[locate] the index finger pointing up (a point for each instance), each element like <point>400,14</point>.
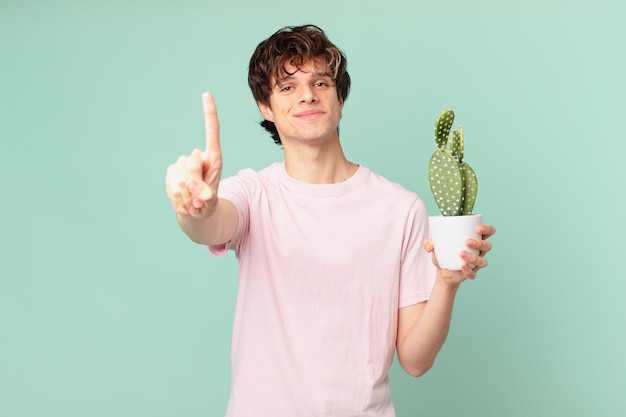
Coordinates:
<point>211,124</point>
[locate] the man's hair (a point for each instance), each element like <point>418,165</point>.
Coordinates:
<point>297,46</point>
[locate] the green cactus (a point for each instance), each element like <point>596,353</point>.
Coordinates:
<point>452,181</point>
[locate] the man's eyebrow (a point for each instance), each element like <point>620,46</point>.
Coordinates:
<point>283,80</point>
<point>322,74</point>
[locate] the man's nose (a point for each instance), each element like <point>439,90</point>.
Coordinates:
<point>308,94</point>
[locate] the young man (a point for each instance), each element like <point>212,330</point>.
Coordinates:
<point>333,277</point>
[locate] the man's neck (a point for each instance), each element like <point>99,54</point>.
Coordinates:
<point>318,164</point>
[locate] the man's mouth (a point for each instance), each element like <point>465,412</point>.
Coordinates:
<point>309,114</point>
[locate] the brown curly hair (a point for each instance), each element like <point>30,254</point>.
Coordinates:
<point>297,46</point>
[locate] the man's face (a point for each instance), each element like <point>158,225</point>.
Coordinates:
<point>304,106</point>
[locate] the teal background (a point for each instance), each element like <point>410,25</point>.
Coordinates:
<point>107,309</point>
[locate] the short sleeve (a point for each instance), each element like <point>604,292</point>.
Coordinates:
<point>237,190</point>
<point>417,272</point>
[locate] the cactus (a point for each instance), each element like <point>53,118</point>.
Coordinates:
<point>452,181</point>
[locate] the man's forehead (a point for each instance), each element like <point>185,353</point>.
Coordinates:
<point>317,66</point>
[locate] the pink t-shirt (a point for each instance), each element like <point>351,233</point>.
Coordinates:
<point>323,272</point>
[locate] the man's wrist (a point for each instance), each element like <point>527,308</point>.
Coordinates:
<point>447,280</point>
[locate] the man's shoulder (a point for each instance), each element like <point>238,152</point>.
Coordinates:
<point>250,180</point>
<point>378,180</point>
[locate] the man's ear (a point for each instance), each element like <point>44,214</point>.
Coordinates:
<point>266,111</point>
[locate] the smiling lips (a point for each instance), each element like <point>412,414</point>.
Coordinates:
<point>309,114</point>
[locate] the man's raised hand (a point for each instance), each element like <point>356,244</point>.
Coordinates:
<point>193,180</point>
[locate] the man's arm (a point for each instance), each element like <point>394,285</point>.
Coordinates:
<point>217,229</point>
<point>192,184</point>
<point>423,328</point>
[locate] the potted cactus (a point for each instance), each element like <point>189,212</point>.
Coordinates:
<point>454,187</point>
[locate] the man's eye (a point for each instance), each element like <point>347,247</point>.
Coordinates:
<point>321,84</point>
<point>286,88</point>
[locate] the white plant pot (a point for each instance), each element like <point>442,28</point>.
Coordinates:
<point>449,234</point>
